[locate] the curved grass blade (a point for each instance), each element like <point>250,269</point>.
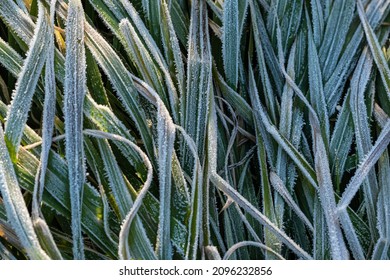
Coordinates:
<point>241,244</point>
<point>140,247</point>
<point>26,84</point>
<point>365,166</point>
<point>41,227</point>
<point>124,250</point>
<point>16,208</point>
<point>74,90</point>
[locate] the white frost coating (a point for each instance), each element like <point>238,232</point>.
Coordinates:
<point>15,206</point>
<point>230,41</point>
<point>74,91</point>
<point>365,166</point>
<point>26,84</point>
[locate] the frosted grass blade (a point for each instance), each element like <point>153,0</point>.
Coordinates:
<point>365,166</point>
<point>74,90</point>
<point>140,246</point>
<point>317,98</point>
<point>195,105</point>
<point>341,141</point>
<point>335,35</point>
<point>20,21</point>
<point>231,41</point>
<point>375,48</point>
<point>40,224</point>
<point>16,208</point>
<point>124,249</point>
<point>278,184</point>
<point>26,84</point>
<point>172,48</point>
<point>317,11</point>
<point>360,118</point>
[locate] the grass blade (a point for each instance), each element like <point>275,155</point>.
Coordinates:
<point>375,48</point>
<point>365,166</point>
<point>27,81</point>
<point>74,90</point>
<point>231,41</point>
<point>17,211</point>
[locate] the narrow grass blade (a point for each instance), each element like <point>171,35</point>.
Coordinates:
<point>124,247</point>
<point>140,247</point>
<point>375,48</point>
<point>365,166</point>
<point>172,48</point>
<point>74,90</point>
<point>40,225</point>
<point>195,107</point>
<point>278,184</point>
<point>194,222</point>
<point>317,98</point>
<point>17,211</point>
<point>20,21</point>
<point>26,84</point>
<point>328,202</point>
<point>317,11</point>
<point>262,41</point>
<point>231,41</point>
<point>341,141</point>
<point>335,35</point>
<point>360,118</point>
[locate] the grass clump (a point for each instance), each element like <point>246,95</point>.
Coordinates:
<point>209,129</point>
